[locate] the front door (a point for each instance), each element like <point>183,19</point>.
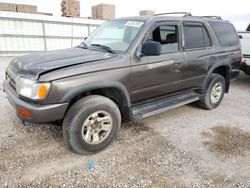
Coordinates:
<point>155,76</point>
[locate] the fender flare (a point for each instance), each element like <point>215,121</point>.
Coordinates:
<point>98,85</point>
<point>212,69</point>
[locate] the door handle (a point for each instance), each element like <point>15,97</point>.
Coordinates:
<point>178,63</point>
<point>212,58</point>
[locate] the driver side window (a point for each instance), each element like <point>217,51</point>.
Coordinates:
<point>167,35</point>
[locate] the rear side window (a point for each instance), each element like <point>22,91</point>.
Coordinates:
<point>225,33</point>
<point>196,35</point>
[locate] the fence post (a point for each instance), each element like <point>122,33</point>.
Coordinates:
<point>72,25</point>
<point>44,37</point>
<point>88,30</point>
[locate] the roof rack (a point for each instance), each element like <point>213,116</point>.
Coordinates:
<point>185,13</point>
<point>215,17</point>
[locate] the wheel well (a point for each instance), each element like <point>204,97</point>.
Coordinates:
<point>114,94</point>
<point>224,71</point>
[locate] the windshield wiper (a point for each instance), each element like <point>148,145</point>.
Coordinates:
<point>104,47</point>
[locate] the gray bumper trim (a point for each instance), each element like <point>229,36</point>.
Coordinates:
<point>40,113</point>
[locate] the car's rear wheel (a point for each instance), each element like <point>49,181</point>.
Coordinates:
<point>91,124</point>
<point>214,93</point>
<point>247,70</point>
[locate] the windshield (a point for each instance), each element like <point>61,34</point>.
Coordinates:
<point>116,35</point>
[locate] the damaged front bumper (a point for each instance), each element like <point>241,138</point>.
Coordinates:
<point>35,113</point>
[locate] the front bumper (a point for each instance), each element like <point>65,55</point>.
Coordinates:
<point>39,113</point>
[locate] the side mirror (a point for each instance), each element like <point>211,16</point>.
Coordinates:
<point>240,37</point>
<point>151,48</point>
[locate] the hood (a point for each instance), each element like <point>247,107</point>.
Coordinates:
<point>35,64</point>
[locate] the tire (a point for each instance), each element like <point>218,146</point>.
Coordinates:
<point>247,70</point>
<point>210,100</point>
<point>85,118</point>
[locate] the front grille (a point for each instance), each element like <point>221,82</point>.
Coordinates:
<point>11,81</point>
<point>246,55</point>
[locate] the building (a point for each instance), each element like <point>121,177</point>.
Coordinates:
<point>18,8</point>
<point>146,13</point>
<point>103,12</point>
<point>70,8</point>
<point>10,7</point>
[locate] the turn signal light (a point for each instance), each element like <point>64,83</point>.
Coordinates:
<point>42,92</point>
<point>24,112</point>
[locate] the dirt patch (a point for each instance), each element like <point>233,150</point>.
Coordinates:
<point>213,178</point>
<point>225,139</point>
<point>140,127</point>
<point>152,162</point>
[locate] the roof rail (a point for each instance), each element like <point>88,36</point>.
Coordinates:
<point>215,17</point>
<point>185,13</point>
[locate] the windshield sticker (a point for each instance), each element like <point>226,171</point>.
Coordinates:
<point>133,24</point>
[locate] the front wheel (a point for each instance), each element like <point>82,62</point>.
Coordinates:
<point>214,93</point>
<point>91,124</point>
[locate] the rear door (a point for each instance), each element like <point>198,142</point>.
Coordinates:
<point>198,53</point>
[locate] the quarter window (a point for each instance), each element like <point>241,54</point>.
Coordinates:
<point>225,34</point>
<point>196,36</point>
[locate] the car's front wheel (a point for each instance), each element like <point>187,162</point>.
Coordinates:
<point>214,93</point>
<point>91,124</point>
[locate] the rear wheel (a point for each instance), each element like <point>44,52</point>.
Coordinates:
<point>91,124</point>
<point>247,70</point>
<point>214,93</point>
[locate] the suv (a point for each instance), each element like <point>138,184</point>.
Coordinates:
<point>127,69</point>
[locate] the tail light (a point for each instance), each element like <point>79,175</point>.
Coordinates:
<point>241,59</point>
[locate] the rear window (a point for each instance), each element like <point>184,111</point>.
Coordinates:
<point>225,33</point>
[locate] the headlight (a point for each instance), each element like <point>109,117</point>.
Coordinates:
<point>31,89</point>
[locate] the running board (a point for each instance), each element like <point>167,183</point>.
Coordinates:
<point>162,105</point>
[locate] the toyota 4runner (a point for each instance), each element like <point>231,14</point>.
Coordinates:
<point>127,69</point>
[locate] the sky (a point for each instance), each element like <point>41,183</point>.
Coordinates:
<point>237,12</point>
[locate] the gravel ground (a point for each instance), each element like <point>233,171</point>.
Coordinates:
<point>184,147</point>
